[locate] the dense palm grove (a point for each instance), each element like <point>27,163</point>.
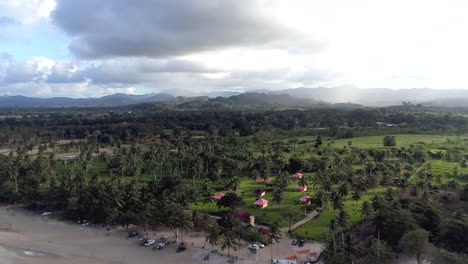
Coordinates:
<point>148,168</point>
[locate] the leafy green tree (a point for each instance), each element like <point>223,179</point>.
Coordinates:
<point>379,252</point>
<point>231,201</point>
<point>318,141</point>
<point>416,243</point>
<point>278,194</point>
<point>394,224</point>
<point>454,235</point>
<point>367,210</point>
<point>338,258</point>
<point>389,141</point>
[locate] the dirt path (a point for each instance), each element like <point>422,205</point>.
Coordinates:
<point>309,217</point>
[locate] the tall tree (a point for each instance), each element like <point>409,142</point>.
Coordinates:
<point>416,243</point>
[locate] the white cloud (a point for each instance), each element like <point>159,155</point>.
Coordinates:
<point>26,11</point>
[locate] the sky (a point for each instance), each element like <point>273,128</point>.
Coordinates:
<point>92,48</point>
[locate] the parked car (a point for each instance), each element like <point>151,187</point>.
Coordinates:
<point>181,248</point>
<point>132,234</point>
<point>294,242</point>
<point>149,242</point>
<point>301,242</point>
<point>161,245</point>
<point>260,245</point>
<point>254,246</point>
<point>142,241</point>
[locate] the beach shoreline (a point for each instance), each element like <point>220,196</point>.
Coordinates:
<point>27,237</point>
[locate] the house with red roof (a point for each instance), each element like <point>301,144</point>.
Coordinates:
<point>265,181</point>
<point>261,203</point>
<point>263,231</point>
<point>301,188</point>
<point>297,175</point>
<point>244,216</point>
<point>259,193</point>
<point>305,199</point>
<point>218,196</point>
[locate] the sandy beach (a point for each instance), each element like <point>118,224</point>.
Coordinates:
<point>28,238</point>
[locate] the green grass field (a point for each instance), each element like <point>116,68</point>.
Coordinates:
<point>317,229</point>
<point>445,168</point>
<point>402,140</point>
<point>269,215</point>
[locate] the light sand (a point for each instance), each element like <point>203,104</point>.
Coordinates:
<point>27,238</point>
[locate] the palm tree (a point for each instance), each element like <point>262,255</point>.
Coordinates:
<point>213,236</point>
<point>182,221</point>
<point>321,199</point>
<point>337,201</point>
<point>229,241</point>
<point>274,234</point>
<point>303,181</point>
<point>332,227</point>
<point>234,183</point>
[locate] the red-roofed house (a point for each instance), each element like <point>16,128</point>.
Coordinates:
<point>245,216</point>
<point>313,256</point>
<point>305,199</point>
<point>301,188</point>
<point>219,196</point>
<point>261,203</point>
<point>259,193</point>
<point>263,231</point>
<point>301,252</point>
<point>297,175</point>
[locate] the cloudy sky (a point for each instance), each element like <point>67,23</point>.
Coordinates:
<point>91,48</point>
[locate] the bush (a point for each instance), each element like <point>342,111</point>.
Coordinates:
<point>252,235</point>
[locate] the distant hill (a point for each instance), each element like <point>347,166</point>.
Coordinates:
<point>342,96</point>
<point>449,102</point>
<point>375,96</point>
<point>266,99</point>
<point>109,100</point>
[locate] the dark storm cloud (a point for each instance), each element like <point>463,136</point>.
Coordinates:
<point>161,28</point>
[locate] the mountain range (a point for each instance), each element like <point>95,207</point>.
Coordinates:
<point>286,97</point>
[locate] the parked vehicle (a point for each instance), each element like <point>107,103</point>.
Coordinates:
<point>132,234</point>
<point>181,247</point>
<point>260,245</point>
<point>294,242</point>
<point>254,246</point>
<point>149,242</point>
<point>161,245</point>
<point>301,243</point>
<point>142,241</point>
